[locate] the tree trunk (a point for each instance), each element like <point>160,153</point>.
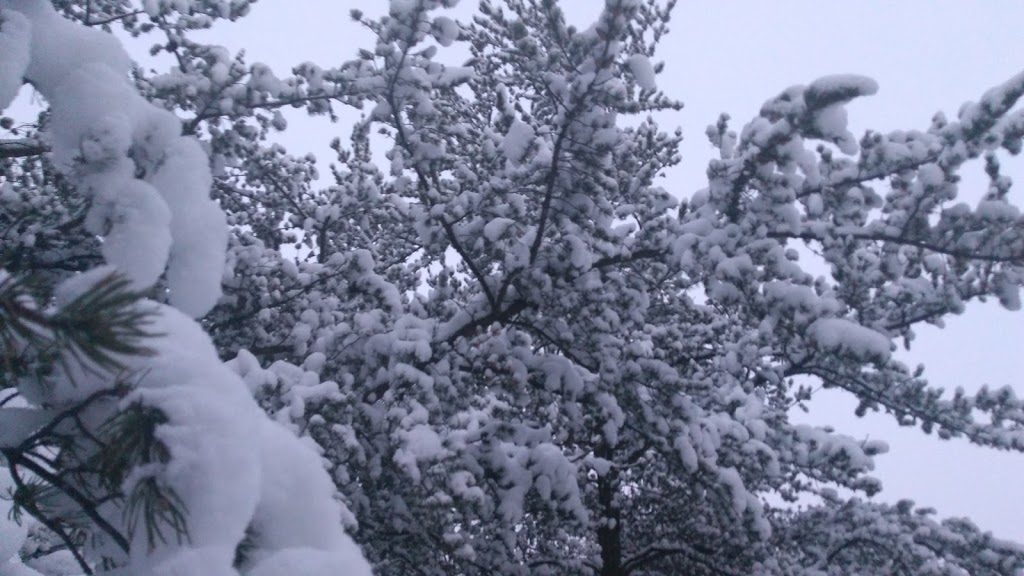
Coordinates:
<point>609,532</point>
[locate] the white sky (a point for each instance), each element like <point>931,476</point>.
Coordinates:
<point>730,56</point>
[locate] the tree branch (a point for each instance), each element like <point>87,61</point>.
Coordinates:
<point>495,316</point>
<point>917,243</point>
<point>90,22</point>
<point>22,147</point>
<point>658,551</point>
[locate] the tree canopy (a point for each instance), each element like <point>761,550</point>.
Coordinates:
<point>515,349</point>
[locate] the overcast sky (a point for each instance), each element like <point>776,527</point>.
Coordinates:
<point>730,56</point>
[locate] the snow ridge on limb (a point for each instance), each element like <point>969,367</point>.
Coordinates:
<point>130,440</point>
<point>148,185</point>
<point>15,34</point>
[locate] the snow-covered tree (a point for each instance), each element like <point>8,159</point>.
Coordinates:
<point>517,352</point>
<point>126,441</point>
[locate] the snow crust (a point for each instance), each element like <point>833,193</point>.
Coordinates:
<point>15,37</point>
<point>517,142</point>
<point>446,30</point>
<point>234,470</point>
<point>642,70</point>
<point>103,134</point>
<point>198,227</point>
<point>843,336</point>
